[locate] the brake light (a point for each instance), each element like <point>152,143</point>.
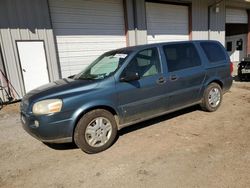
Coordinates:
<point>231,68</point>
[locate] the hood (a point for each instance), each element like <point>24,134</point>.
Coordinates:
<point>59,88</point>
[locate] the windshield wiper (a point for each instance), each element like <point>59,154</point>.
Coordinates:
<point>85,78</point>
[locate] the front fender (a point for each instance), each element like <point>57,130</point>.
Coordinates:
<point>93,105</point>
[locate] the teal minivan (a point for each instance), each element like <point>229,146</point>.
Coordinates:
<point>126,86</point>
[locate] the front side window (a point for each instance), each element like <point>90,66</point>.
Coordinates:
<point>104,66</point>
<point>145,63</point>
<point>181,56</point>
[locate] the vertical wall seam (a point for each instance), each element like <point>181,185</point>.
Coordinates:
<point>126,21</point>
<point>190,21</point>
<point>4,55</point>
<point>17,63</point>
<point>59,69</point>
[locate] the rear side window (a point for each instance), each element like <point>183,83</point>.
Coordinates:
<point>181,56</point>
<point>213,52</point>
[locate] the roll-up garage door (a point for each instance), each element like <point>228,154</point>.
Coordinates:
<point>236,16</point>
<point>85,29</point>
<point>166,22</point>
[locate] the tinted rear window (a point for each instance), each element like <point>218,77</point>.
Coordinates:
<point>213,52</point>
<point>181,56</point>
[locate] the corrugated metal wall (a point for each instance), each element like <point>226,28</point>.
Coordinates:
<point>1,61</point>
<point>199,19</point>
<point>2,69</point>
<point>140,22</point>
<point>129,21</point>
<point>25,20</point>
<point>217,22</point>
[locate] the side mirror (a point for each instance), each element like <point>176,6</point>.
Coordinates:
<point>129,76</point>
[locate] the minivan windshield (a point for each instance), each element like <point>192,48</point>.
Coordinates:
<point>104,66</point>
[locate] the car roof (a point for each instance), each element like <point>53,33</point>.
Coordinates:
<point>141,47</point>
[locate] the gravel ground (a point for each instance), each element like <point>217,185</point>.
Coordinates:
<point>189,148</point>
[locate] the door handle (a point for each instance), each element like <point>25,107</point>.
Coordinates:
<point>173,77</point>
<point>161,80</point>
<point>24,70</point>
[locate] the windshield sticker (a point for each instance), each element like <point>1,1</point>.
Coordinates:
<point>123,56</point>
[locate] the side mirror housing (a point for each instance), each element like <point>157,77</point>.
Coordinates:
<point>130,76</point>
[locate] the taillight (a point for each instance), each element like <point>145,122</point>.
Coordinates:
<point>231,68</point>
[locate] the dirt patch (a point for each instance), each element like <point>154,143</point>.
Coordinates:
<point>9,110</point>
<point>188,148</point>
<point>243,86</point>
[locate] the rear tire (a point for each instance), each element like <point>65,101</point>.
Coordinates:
<point>242,77</point>
<point>212,98</point>
<point>95,131</point>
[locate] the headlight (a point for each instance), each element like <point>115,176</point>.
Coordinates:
<point>47,106</point>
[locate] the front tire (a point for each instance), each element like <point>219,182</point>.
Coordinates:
<point>95,131</point>
<point>212,98</point>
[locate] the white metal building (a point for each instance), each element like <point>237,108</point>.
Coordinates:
<point>44,40</point>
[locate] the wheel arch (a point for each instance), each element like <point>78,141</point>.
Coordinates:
<point>91,108</point>
<point>217,81</point>
<point>204,103</point>
<point>208,82</point>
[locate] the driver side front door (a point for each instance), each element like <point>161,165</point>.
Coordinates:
<point>144,97</point>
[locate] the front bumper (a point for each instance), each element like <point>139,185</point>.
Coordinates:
<point>47,127</point>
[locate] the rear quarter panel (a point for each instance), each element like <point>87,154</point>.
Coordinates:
<point>216,72</point>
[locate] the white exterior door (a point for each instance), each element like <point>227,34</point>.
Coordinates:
<point>166,22</point>
<point>33,64</point>
<point>236,47</point>
<point>85,29</point>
